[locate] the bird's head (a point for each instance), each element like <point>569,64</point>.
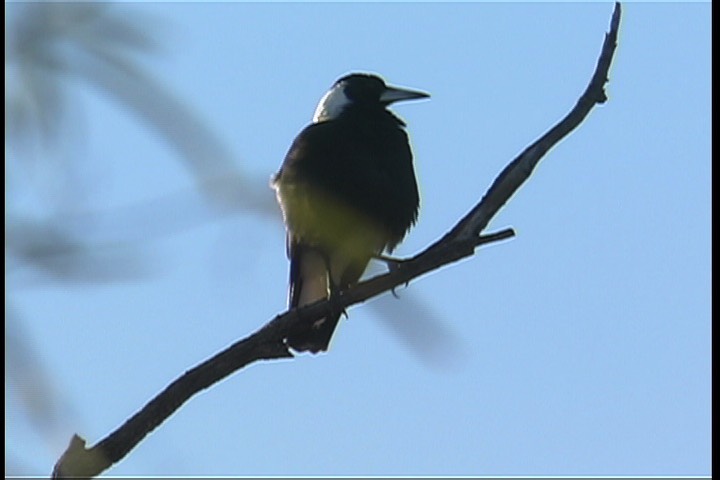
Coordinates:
<point>360,89</point>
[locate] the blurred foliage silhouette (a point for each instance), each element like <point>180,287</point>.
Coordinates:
<point>49,47</point>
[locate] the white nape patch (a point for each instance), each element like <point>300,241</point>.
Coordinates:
<point>331,104</point>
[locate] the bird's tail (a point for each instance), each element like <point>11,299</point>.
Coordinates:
<point>308,284</point>
<point>310,281</point>
<point>317,338</point>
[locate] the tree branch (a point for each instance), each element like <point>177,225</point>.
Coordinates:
<point>267,343</point>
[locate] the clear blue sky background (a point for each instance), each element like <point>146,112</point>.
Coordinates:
<point>582,346</point>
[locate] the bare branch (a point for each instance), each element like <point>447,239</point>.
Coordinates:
<point>268,342</point>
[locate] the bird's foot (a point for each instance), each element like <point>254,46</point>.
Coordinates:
<point>393,264</point>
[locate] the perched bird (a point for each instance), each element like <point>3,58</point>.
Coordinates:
<point>347,191</point>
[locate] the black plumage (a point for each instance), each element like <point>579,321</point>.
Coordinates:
<point>347,190</point>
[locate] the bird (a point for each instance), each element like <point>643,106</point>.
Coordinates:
<point>347,191</point>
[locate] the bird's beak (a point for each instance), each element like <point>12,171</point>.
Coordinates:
<point>395,94</point>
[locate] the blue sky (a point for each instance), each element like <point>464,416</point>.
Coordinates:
<point>581,346</point>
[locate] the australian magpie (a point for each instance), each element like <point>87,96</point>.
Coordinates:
<point>347,191</point>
